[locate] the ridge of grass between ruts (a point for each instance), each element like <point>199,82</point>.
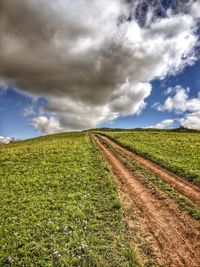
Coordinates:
<point>183,202</point>
<point>176,151</point>
<point>59,205</point>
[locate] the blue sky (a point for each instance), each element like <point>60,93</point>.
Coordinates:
<point>13,104</point>
<point>13,122</point>
<point>133,65</point>
<point>189,77</point>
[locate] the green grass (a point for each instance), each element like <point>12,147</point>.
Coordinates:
<point>151,179</point>
<point>59,205</point>
<point>176,151</point>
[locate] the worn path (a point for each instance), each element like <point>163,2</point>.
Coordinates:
<point>187,189</point>
<point>175,235</point>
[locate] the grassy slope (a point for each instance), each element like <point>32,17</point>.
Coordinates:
<point>176,151</point>
<point>59,205</point>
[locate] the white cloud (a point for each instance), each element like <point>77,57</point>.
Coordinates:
<point>28,111</point>
<point>4,140</point>
<point>195,9</point>
<point>78,116</point>
<point>89,70</point>
<point>179,102</point>
<point>47,125</point>
<point>191,120</point>
<point>3,85</point>
<point>165,124</point>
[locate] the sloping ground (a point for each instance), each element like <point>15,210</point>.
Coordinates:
<point>59,206</point>
<point>175,236</point>
<point>187,189</point>
<point>176,151</point>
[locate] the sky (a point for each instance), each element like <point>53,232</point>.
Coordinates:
<point>74,65</point>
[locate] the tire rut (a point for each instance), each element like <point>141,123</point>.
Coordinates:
<point>175,235</point>
<point>185,188</point>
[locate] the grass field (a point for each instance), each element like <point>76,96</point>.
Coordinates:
<point>176,151</point>
<point>59,205</point>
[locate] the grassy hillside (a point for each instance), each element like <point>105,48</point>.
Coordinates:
<point>178,151</point>
<point>59,206</point>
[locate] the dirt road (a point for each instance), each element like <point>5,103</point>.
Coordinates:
<point>175,235</point>
<point>187,189</point>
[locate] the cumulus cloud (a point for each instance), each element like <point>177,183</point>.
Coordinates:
<point>47,125</point>
<point>90,70</point>
<point>179,102</point>
<point>4,140</point>
<point>195,9</point>
<point>79,115</point>
<point>3,86</point>
<point>191,120</point>
<point>165,124</point>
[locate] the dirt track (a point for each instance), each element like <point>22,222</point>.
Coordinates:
<point>187,189</point>
<point>175,235</point>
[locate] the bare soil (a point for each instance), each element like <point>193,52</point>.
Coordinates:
<point>189,190</point>
<point>174,235</point>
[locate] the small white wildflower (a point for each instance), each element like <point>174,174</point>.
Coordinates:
<point>83,245</point>
<point>56,254</point>
<point>9,260</point>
